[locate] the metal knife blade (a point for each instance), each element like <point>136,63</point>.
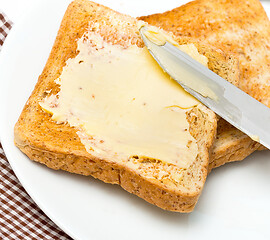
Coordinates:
<point>229,102</point>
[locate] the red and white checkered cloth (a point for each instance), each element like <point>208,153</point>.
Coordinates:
<point>20,217</point>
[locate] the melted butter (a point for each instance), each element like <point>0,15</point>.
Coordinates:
<point>123,104</point>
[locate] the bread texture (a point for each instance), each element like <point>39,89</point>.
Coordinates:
<point>240,28</point>
<point>59,147</point>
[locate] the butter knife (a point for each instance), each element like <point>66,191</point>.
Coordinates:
<point>225,99</point>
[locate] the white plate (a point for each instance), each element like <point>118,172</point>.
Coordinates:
<point>234,203</point>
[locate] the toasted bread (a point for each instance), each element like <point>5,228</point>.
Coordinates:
<point>238,27</point>
<point>59,147</point>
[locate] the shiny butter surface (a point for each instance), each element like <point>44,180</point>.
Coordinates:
<point>123,104</point>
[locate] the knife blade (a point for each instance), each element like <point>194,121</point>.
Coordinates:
<point>225,99</point>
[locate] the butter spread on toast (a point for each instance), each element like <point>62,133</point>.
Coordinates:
<point>123,104</point>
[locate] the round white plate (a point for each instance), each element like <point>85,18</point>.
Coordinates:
<point>235,200</point>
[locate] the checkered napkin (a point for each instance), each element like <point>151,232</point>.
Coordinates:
<point>5,26</point>
<point>20,217</point>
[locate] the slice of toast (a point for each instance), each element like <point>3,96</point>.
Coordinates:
<point>238,27</point>
<point>59,147</point>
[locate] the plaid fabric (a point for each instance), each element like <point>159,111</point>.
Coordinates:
<point>5,26</point>
<point>20,217</point>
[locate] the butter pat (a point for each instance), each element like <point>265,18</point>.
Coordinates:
<point>159,37</point>
<point>255,138</point>
<point>156,35</point>
<point>123,104</point>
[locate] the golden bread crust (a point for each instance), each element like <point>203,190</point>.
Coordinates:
<point>230,145</point>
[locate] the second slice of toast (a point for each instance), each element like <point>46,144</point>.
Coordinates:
<point>240,28</point>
